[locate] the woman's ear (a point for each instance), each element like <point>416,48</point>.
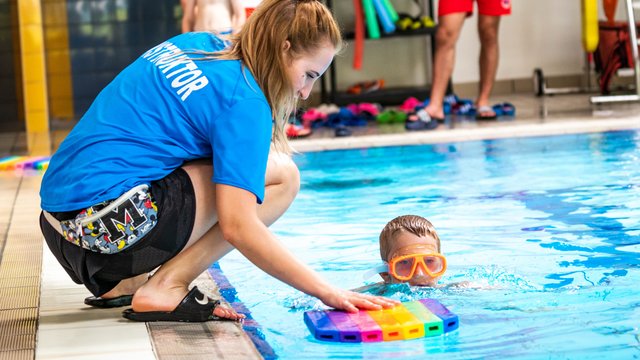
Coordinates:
<point>286,45</point>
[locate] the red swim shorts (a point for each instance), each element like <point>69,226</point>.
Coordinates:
<point>485,7</point>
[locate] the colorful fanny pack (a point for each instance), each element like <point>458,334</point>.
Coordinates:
<point>111,226</point>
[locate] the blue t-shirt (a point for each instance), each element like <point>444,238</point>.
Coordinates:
<point>162,110</point>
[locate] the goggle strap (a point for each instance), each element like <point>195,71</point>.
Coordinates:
<point>380,268</point>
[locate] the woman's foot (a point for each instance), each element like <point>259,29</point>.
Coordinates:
<point>151,300</point>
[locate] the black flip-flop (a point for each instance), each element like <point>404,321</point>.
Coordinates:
<point>96,301</point>
<point>195,307</point>
<point>483,110</point>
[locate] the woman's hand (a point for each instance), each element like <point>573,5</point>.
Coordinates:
<point>352,301</point>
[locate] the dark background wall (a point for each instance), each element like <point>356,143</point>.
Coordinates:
<point>11,110</point>
<point>87,43</point>
<point>106,35</point>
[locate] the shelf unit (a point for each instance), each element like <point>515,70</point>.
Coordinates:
<point>385,96</point>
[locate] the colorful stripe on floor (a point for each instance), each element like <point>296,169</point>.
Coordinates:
<point>24,162</point>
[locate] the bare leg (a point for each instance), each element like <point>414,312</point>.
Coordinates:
<point>126,287</point>
<point>449,27</point>
<point>489,54</point>
<point>170,283</point>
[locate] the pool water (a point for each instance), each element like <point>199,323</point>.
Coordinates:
<point>547,228</point>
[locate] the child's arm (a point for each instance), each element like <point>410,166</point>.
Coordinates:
<point>241,227</point>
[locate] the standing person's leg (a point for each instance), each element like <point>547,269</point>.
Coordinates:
<point>168,286</point>
<point>488,27</point>
<point>449,27</point>
<point>490,12</point>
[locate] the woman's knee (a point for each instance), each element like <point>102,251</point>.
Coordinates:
<point>283,172</point>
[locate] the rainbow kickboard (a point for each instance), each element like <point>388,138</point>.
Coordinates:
<point>409,320</point>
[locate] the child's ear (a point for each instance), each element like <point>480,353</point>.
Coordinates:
<point>385,276</point>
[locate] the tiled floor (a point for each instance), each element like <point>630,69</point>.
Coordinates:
<point>41,310</point>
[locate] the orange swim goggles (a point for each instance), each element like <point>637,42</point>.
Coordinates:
<point>404,267</point>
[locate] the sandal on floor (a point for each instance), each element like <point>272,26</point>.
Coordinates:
<point>391,117</point>
<point>420,120</point>
<point>342,131</point>
<point>508,109</point>
<point>483,110</point>
<point>294,131</point>
<point>195,307</point>
<point>96,301</point>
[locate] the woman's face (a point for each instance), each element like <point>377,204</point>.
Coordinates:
<point>304,70</point>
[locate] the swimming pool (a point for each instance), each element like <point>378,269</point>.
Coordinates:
<point>548,226</point>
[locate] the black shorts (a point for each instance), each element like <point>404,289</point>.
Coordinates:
<point>175,198</point>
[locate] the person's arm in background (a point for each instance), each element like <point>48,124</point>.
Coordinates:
<point>238,15</point>
<point>188,15</point>
<point>241,227</point>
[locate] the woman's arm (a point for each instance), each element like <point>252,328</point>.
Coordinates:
<point>242,228</point>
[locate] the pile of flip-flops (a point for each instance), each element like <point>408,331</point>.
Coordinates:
<point>411,113</point>
<point>465,107</point>
<point>337,118</point>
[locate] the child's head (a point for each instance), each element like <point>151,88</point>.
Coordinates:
<point>411,247</point>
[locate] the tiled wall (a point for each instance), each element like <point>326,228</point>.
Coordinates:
<point>11,110</point>
<point>87,43</point>
<point>104,36</point>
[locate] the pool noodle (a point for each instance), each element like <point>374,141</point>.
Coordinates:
<point>590,28</point>
<point>449,319</point>
<point>393,14</point>
<point>385,19</point>
<point>359,35</point>
<point>370,19</point>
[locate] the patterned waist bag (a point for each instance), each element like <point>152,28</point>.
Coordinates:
<point>111,226</point>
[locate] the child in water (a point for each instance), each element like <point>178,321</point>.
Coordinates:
<point>410,249</point>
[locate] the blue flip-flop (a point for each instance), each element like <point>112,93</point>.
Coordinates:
<point>508,109</point>
<point>420,120</point>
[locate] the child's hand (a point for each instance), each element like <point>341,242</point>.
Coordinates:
<point>352,301</point>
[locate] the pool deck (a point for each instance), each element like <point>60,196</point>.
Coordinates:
<point>42,315</point>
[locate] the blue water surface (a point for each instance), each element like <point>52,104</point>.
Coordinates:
<point>547,228</point>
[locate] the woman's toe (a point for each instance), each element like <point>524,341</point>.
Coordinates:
<point>227,313</point>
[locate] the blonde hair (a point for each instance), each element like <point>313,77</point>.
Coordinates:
<point>414,224</point>
<point>307,25</point>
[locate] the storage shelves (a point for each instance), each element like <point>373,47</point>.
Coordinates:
<point>385,96</point>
